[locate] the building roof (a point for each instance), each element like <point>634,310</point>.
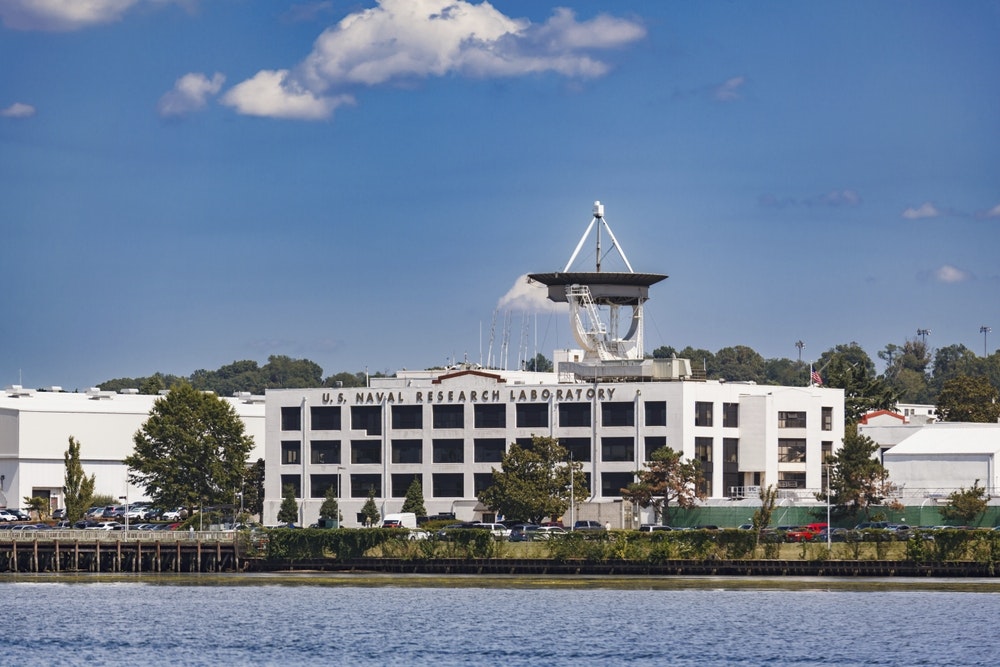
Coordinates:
<point>949,438</point>
<point>17,399</point>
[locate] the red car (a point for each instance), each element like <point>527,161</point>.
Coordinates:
<point>805,533</point>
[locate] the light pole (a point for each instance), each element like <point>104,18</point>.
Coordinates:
<point>124,499</point>
<point>985,330</point>
<point>923,333</point>
<point>799,344</point>
<point>829,540</point>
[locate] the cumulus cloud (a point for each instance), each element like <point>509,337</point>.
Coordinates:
<point>925,210</point>
<point>190,93</point>
<point>729,91</point>
<point>18,110</point>
<point>61,15</point>
<point>951,274</point>
<point>529,297</point>
<point>403,40</point>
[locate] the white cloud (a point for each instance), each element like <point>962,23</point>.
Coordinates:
<point>18,110</point>
<point>993,212</point>
<point>529,297</point>
<point>274,94</point>
<point>730,90</point>
<point>190,93</point>
<point>925,210</point>
<point>951,274</point>
<point>402,40</point>
<point>61,15</point>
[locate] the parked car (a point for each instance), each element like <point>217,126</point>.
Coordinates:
<point>836,535</point>
<point>547,532</point>
<point>653,527</point>
<point>172,515</point>
<point>20,514</point>
<point>59,513</point>
<point>499,530</point>
<point>588,525</point>
<point>7,515</point>
<point>522,532</point>
<point>107,525</point>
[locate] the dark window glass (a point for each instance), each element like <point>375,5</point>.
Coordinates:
<point>827,419</point>
<point>532,415</point>
<point>489,450</point>
<point>654,442</point>
<point>291,418</point>
<point>325,451</point>
<point>295,481</point>
<point>319,484</point>
<point>574,414</point>
<point>731,450</point>
<point>361,484</point>
<point>290,450</point>
<point>481,481</point>
<point>407,451</point>
<point>791,450</point>
<point>612,483</point>
<point>449,451</point>
<point>449,416</point>
<point>366,451</point>
<point>578,448</point>
<point>449,485</point>
<point>490,416</point>
<point>703,449</point>
<point>325,418</point>
<point>791,420</point>
<point>791,480</point>
<point>401,483</point>
<point>407,416</point>
<point>731,415</point>
<point>367,418</point>
<point>618,413</point>
<point>524,443</point>
<point>702,414</point>
<point>617,449</point>
<point>656,413</point>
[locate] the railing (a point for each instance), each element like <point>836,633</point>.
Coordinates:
<point>79,535</point>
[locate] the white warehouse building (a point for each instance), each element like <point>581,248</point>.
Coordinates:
<point>35,427</point>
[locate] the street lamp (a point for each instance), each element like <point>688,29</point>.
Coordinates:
<point>829,540</point>
<point>799,344</point>
<point>985,330</point>
<point>923,333</point>
<point>124,499</point>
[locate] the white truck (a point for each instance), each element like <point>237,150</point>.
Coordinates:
<point>400,520</point>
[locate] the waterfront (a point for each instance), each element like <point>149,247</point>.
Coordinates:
<point>312,620</point>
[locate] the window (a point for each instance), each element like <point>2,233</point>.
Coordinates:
<point>791,420</point>
<point>320,484</point>
<point>703,449</point>
<point>702,414</point>
<point>449,416</point>
<point>617,449</point>
<point>525,443</point>
<point>401,483</point>
<point>366,451</point>
<point>407,416</point>
<point>653,442</point>
<point>791,450</point>
<point>574,414</point>
<point>577,449</point>
<point>731,415</point>
<point>532,415</point>
<point>730,450</point>
<point>448,484</point>
<point>481,481</point>
<point>291,418</point>
<point>290,450</point>
<point>325,451</point>
<point>490,416</point>
<point>826,450</point>
<point>367,418</point>
<point>362,484</point>
<point>294,481</point>
<point>827,419</point>
<point>612,483</point>
<point>449,450</point>
<point>656,413</point>
<point>488,450</point>
<point>407,451</point>
<point>791,480</point>
<point>618,413</point>
<point>324,418</point>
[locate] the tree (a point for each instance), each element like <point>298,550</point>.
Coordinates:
<point>369,512</point>
<point>540,363</point>
<point>289,510</point>
<point>535,482</point>
<point>966,505</point>
<point>740,363</point>
<point>968,399</point>
<point>191,451</point>
<point>667,478</point>
<point>848,367</point>
<point>38,505</point>
<point>78,489</point>
<point>330,509</point>
<point>415,498</point>
<point>858,479</point>
<point>762,517</point>
<point>253,488</point>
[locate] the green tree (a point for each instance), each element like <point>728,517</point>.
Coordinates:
<point>192,450</point>
<point>762,516</point>
<point>540,364</point>
<point>740,363</point>
<point>701,361</point>
<point>369,511</point>
<point>289,510</point>
<point>345,379</point>
<point>38,505</point>
<point>78,489</point>
<point>786,372</point>
<point>858,480</point>
<point>969,399</point>
<point>667,479</point>
<point>664,352</point>
<point>330,509</point>
<point>253,488</point>
<point>966,505</point>
<point>848,367</point>
<point>415,498</point>
<point>535,482</point>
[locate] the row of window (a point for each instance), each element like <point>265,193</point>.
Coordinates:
<point>442,485</point>
<point>731,416</point>
<point>368,418</point>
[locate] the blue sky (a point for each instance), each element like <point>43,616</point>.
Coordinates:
<point>186,183</point>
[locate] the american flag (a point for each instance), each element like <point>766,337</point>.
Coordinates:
<point>816,379</point>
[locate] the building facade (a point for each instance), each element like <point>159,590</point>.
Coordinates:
<point>451,429</point>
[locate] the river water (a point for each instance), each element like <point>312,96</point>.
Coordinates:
<point>330,621</point>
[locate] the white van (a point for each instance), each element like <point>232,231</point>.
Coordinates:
<point>400,520</point>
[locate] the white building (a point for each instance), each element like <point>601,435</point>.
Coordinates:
<point>940,458</point>
<point>35,427</point>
